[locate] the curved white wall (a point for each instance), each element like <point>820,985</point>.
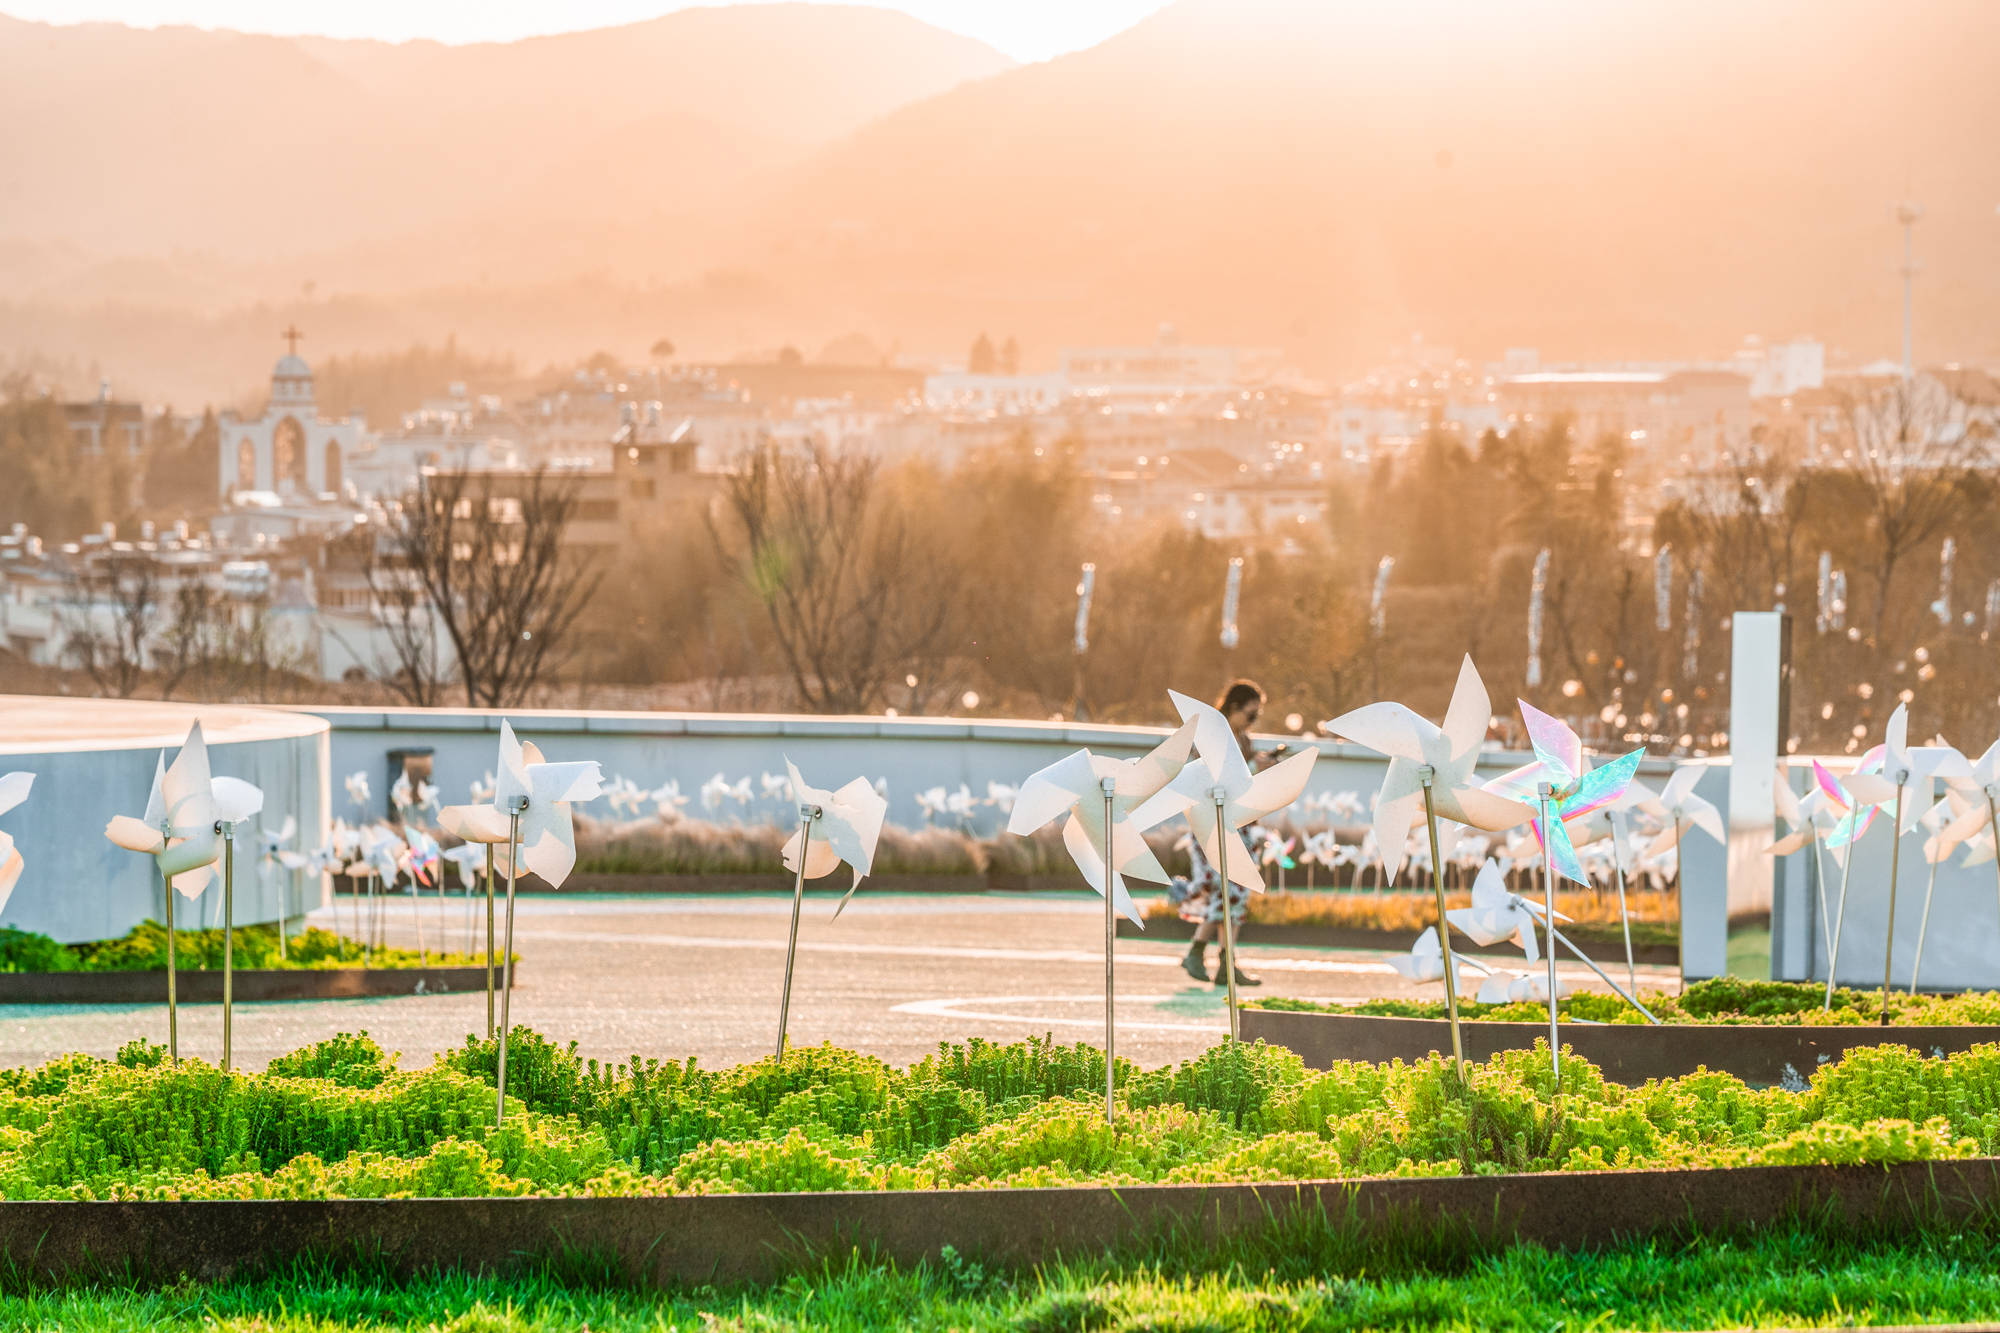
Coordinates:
<point>94,758</point>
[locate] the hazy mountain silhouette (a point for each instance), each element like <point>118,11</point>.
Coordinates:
<point>1646,177</point>
<point>138,141</point>
<point>1649,176</point>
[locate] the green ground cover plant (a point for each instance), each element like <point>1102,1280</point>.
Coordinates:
<point>1720,1000</point>
<point>144,949</point>
<point>1782,1278</point>
<point>341,1119</point>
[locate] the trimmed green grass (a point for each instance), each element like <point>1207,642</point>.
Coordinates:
<point>1782,1280</point>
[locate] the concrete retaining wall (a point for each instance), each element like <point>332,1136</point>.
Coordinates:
<point>729,1238</point>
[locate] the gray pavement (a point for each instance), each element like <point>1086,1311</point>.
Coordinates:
<point>674,976</point>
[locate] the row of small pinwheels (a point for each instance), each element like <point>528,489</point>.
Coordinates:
<point>1953,799</point>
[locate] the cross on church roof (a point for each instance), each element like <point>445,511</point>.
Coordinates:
<point>291,335</point>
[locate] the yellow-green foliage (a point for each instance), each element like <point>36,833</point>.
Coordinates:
<point>1719,1000</point>
<point>338,1119</point>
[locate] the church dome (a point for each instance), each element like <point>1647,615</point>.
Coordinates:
<point>292,366</point>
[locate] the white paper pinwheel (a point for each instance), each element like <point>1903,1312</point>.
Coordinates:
<point>1799,813</point>
<point>1576,788</point>
<point>236,801</point>
<point>470,858</point>
<point>1515,988</point>
<point>1677,806</point>
<point>1451,752</point>
<point>1425,960</point>
<point>1001,796</point>
<point>776,787</point>
<point>357,787</point>
<point>1219,766</point>
<point>542,794</point>
<point>178,828</point>
<point>1497,913</point>
<point>1074,787</point>
<point>844,826</point>
<point>13,790</point>
<point>1900,765</point>
<point>1979,787</point>
<point>668,799</point>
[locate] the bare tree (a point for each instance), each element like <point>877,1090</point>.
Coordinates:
<point>486,552</point>
<point>852,600</point>
<point>111,609</point>
<point>1909,447</point>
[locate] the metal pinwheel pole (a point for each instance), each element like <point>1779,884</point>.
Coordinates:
<point>1110,787</point>
<point>1220,795</point>
<point>1839,920</point>
<point>1895,864</point>
<point>1429,777</point>
<point>282,905</point>
<point>1624,916</point>
<point>1542,791</point>
<point>173,1001</point>
<point>489,933</point>
<point>807,814</point>
<point>1993,824</point>
<point>1924,925</point>
<point>507,961</point>
<point>228,934</point>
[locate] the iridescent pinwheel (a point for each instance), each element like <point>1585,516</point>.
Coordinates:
<point>1574,788</point>
<point>1098,799</point>
<point>1220,795</point>
<point>13,790</point>
<point>179,832</point>
<point>834,826</point>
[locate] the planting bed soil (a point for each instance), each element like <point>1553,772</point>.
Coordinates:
<point>205,987</point>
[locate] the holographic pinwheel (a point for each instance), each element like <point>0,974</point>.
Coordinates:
<point>1098,798</point>
<point>1564,786</point>
<point>1431,769</point>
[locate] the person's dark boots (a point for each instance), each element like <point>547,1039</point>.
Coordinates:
<point>1196,962</point>
<point>1242,978</point>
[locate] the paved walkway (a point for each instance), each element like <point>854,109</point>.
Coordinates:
<point>678,976</point>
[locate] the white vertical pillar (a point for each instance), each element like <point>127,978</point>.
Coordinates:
<point>1760,663</point>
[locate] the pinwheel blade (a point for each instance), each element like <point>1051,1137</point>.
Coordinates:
<point>1386,728</point>
<point>1600,786</point>
<point>1559,852</point>
<point>14,788</point>
<point>1395,816</point>
<point>134,835</point>
<point>1215,744</point>
<point>1471,710</point>
<point>1049,793</point>
<point>1559,748</point>
<point>1279,785</point>
<point>1139,779</point>
<point>236,800</point>
<point>474,823</point>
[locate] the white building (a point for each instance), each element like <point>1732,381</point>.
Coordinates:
<point>290,450</point>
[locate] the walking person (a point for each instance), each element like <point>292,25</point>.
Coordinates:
<point>1201,897</point>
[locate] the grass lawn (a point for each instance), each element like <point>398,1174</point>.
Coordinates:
<point>1793,1279</point>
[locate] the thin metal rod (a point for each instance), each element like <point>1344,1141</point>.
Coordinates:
<point>417,910</point>
<point>489,934</point>
<point>1549,902</point>
<point>293,876</point>
<point>1624,916</point>
<point>1895,865</point>
<point>444,918</point>
<point>507,962</point>
<point>1110,970</point>
<point>1923,928</point>
<point>1630,997</point>
<point>173,1000</point>
<point>1839,920</point>
<point>1819,884</point>
<point>1444,928</point>
<point>228,936</point>
<point>792,942</point>
<point>1222,832</point>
